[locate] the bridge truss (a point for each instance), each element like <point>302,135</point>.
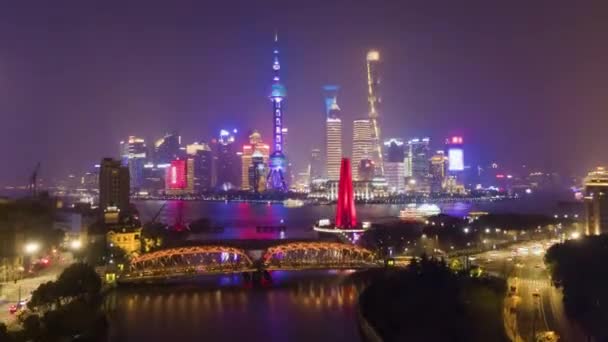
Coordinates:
<point>306,255</point>
<point>185,261</point>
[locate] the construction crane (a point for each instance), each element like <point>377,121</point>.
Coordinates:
<point>33,185</point>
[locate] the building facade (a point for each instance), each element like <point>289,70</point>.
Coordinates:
<point>333,142</point>
<point>258,148</point>
<point>419,154</point>
<point>133,155</point>
<point>596,202</point>
<point>227,162</point>
<point>362,144</point>
<point>114,185</point>
<point>375,101</point>
<point>316,165</point>
<point>167,148</point>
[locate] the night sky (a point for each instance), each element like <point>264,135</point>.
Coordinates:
<point>522,83</point>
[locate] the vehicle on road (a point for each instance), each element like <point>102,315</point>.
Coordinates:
<point>13,309</point>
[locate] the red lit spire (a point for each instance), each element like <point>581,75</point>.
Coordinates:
<point>346,216</point>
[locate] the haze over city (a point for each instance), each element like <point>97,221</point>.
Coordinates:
<point>523,83</point>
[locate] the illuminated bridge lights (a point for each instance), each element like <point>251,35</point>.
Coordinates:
<point>198,260</point>
<point>190,260</point>
<point>300,255</point>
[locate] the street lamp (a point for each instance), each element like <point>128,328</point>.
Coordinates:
<point>75,244</point>
<point>31,247</point>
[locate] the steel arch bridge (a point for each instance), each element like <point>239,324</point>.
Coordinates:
<point>317,255</point>
<point>189,261</point>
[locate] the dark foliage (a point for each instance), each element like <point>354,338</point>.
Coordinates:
<point>428,302</point>
<point>67,307</point>
<point>579,268</point>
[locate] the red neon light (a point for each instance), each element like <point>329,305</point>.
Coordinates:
<point>500,176</point>
<point>176,175</point>
<point>346,215</point>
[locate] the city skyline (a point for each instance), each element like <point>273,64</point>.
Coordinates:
<point>203,74</point>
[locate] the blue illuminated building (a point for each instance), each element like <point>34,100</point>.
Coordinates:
<point>277,162</point>
<point>330,92</point>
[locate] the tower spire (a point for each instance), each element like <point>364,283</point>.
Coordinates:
<point>277,163</point>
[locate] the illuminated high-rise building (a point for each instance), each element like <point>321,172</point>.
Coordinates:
<point>438,171</point>
<point>167,148</point>
<point>227,162</point>
<point>394,165</point>
<point>362,144</point>
<point>316,164</point>
<point>133,155</point>
<point>255,147</point>
<point>202,157</point>
<point>596,202</point>
<point>330,94</point>
<point>258,172</point>
<point>419,154</point>
<point>277,164</point>
<point>333,142</point>
<point>366,170</point>
<point>180,177</point>
<point>113,185</point>
<point>375,100</point>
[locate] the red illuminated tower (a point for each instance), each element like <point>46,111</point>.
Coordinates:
<point>346,216</point>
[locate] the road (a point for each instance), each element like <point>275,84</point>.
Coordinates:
<point>10,291</point>
<point>537,304</point>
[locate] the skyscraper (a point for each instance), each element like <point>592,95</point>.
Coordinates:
<point>167,148</point>
<point>330,93</point>
<point>375,100</point>
<point>227,166</point>
<point>437,172</point>
<point>257,172</point>
<point>180,177</point>
<point>333,142</point>
<point>596,202</point>
<point>278,93</point>
<point>419,155</point>
<point>316,164</point>
<point>362,144</point>
<point>394,166</point>
<point>202,157</point>
<point>133,155</point>
<point>113,185</point>
<point>249,150</point>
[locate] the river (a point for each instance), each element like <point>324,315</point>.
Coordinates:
<point>298,306</point>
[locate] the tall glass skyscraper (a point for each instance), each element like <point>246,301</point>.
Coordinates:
<point>419,154</point>
<point>394,165</point>
<point>133,155</point>
<point>362,145</point>
<point>333,142</point>
<point>375,100</point>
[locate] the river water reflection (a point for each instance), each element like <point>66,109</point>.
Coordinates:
<point>298,306</point>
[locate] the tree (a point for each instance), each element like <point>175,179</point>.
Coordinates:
<point>79,280</point>
<point>579,268</point>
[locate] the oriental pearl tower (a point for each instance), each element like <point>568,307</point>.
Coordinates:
<point>278,93</point>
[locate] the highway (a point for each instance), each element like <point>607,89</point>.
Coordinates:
<point>536,305</point>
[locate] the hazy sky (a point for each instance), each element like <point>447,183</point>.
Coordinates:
<point>521,82</point>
